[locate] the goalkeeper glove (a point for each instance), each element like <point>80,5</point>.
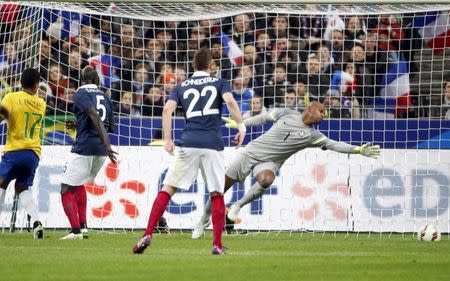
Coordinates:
<point>231,124</point>
<point>368,150</point>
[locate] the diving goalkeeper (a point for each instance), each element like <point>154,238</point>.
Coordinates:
<point>265,155</point>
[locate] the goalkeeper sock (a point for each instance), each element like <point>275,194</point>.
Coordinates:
<point>206,213</point>
<point>2,198</point>
<point>28,203</point>
<point>71,209</point>
<point>218,218</point>
<point>254,192</point>
<point>158,208</point>
<point>81,198</point>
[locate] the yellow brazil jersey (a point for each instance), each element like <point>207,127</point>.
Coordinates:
<point>25,121</point>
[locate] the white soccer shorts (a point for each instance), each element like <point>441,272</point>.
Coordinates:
<point>81,169</point>
<point>183,168</point>
<point>242,165</point>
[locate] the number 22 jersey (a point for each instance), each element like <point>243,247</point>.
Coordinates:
<point>88,140</point>
<point>201,99</point>
<point>27,114</point>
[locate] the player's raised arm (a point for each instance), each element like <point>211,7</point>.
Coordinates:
<point>236,116</point>
<point>168,110</point>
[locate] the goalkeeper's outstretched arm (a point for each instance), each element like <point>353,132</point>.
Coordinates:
<point>367,149</point>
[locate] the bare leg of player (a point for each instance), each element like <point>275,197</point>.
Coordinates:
<point>158,208</point>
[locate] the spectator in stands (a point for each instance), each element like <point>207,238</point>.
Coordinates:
<point>180,74</point>
<point>241,94</point>
<point>168,45</point>
<point>289,100</point>
<point>254,61</point>
<point>337,47</point>
<point>166,79</point>
<point>211,27</point>
<point>275,86</point>
<point>246,73</point>
<point>279,26</point>
<point>317,83</point>
<point>64,103</point>
<point>376,61</point>
<point>214,69</point>
<point>301,92</point>
<point>74,66</point>
<point>153,102</point>
<point>264,48</point>
<point>141,82</point>
<point>153,56</point>
<point>256,107</point>
<point>354,28</point>
<point>223,63</point>
<point>90,42</point>
<point>364,79</point>
<point>9,60</point>
<point>332,102</point>
<point>446,99</point>
<point>45,93</point>
<point>325,59</point>
<point>46,57</point>
<point>311,28</point>
<point>242,32</point>
<point>390,33</point>
<point>196,40</point>
<point>126,106</point>
<point>106,35</point>
<point>56,80</point>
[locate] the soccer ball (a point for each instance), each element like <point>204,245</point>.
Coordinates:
<point>429,233</point>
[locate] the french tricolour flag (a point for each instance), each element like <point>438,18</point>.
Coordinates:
<point>105,64</point>
<point>395,89</point>
<point>231,49</point>
<point>435,30</point>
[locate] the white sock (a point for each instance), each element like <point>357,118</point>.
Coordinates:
<point>207,212</point>
<point>28,203</point>
<point>2,198</point>
<point>255,192</point>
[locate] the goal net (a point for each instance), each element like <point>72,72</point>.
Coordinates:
<point>382,72</point>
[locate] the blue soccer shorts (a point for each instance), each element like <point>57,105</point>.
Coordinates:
<point>19,165</point>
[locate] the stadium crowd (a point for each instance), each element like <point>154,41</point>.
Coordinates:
<point>271,60</point>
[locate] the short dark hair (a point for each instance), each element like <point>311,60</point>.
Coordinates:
<point>30,77</point>
<point>89,76</point>
<point>202,58</point>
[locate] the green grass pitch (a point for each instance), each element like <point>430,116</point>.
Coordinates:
<point>264,256</point>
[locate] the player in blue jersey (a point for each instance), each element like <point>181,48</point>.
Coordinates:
<point>93,111</point>
<point>24,112</point>
<point>201,146</point>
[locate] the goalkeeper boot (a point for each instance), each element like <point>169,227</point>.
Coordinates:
<point>83,229</point>
<point>233,212</point>
<point>199,229</point>
<point>72,236</point>
<point>217,251</point>
<point>38,230</point>
<point>142,244</point>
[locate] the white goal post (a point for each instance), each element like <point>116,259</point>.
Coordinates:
<point>382,70</point>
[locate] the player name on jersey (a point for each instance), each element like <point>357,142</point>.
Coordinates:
<point>199,81</point>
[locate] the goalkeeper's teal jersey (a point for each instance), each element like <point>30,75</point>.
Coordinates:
<point>287,136</point>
